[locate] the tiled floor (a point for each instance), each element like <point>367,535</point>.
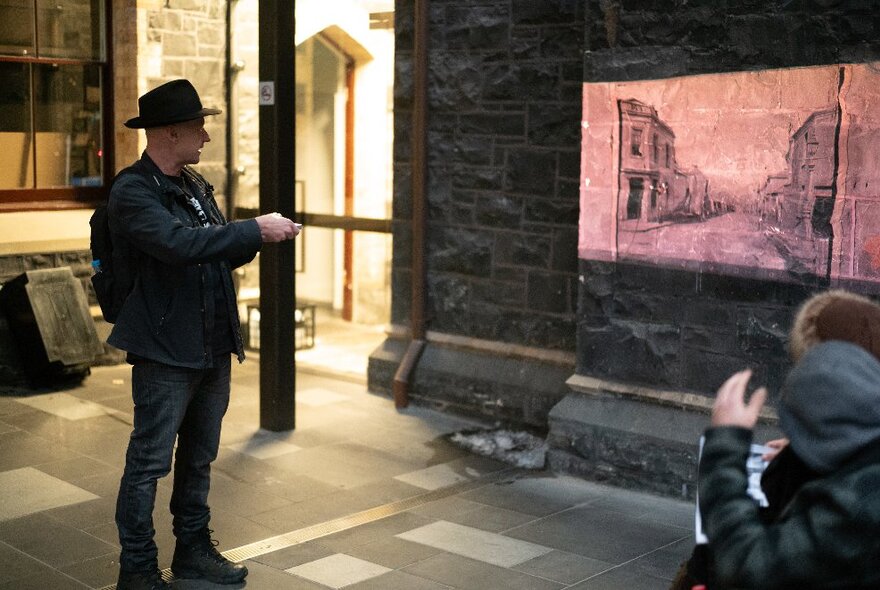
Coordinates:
<point>359,496</point>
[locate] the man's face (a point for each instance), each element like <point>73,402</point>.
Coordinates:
<point>191,137</point>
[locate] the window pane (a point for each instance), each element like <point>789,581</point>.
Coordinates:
<point>15,127</point>
<point>67,115</point>
<point>70,28</point>
<point>17,32</point>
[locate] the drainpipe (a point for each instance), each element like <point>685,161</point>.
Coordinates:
<point>400,387</point>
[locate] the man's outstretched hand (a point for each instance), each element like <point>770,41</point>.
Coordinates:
<point>274,227</point>
<point>730,407</point>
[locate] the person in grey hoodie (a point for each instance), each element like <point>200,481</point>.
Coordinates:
<point>827,535</point>
<point>833,314</point>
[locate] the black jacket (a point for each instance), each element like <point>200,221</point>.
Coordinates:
<point>828,536</point>
<point>168,314</point>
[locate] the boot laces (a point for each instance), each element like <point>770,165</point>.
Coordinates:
<point>208,546</point>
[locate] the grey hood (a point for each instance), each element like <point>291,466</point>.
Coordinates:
<point>830,404</point>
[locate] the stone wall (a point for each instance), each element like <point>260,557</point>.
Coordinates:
<point>503,134</point>
<point>687,330</point>
<point>650,344</point>
<point>125,81</point>
<point>187,39</point>
<point>504,95</point>
<point>655,343</point>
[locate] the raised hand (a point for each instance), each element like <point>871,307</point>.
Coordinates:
<point>730,407</point>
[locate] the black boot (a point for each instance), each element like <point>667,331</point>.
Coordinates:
<point>143,580</point>
<point>197,558</point>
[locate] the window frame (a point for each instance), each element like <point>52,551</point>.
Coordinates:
<point>72,197</point>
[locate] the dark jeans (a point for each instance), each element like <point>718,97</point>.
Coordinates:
<point>169,403</point>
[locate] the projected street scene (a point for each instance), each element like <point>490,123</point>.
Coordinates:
<point>766,174</point>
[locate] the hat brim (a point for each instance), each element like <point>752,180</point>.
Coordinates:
<point>146,123</point>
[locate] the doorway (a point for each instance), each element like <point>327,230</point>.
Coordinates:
<point>344,64</point>
<point>344,253</point>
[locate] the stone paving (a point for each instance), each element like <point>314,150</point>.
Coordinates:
<point>359,496</point>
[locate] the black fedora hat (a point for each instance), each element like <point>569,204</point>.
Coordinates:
<point>173,102</point>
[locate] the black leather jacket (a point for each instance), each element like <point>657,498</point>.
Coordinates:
<point>168,314</point>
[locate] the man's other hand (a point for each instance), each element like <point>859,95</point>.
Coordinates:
<point>274,227</point>
<point>730,407</point>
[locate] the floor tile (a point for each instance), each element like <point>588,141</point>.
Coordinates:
<point>664,563</point>
<point>623,577</point>
<point>102,484</point>
<point>76,468</point>
<point>264,445</point>
<point>435,477</point>
<point>294,555</point>
<point>564,567</point>
<point>540,495</point>
<point>315,396</point>
<point>346,465</point>
<point>27,490</point>
<point>420,452</point>
<point>392,552</point>
<point>338,570</point>
<point>295,483</point>
<point>482,516</point>
<point>242,498</point>
<point>260,577</point>
<point>475,543</point>
<point>66,406</point>
<point>614,537</point>
<point>564,531</point>
<point>16,564</point>
<point>96,572</point>
<point>45,579</point>
<point>367,534</point>
<point>398,581</point>
<point>469,574</point>
<point>665,510</point>
<point>86,514</point>
<point>22,449</point>
<point>336,504</point>
<point>9,405</point>
<point>51,541</point>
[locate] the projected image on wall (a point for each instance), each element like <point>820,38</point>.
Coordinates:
<point>770,174</point>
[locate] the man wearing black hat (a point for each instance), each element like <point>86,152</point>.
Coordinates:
<point>178,326</point>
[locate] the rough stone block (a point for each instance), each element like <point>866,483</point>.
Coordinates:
<point>557,125</point>
<point>555,211</point>
<point>548,292</point>
<point>460,250</point>
<point>523,250</point>
<point>494,123</point>
<point>631,351</point>
<point>630,441</point>
<point>499,211</point>
<point>545,12</point>
<point>477,28</point>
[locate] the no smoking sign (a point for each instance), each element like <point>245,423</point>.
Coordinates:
<point>267,93</point>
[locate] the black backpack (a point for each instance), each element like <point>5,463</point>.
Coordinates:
<point>114,277</point>
<point>115,267</point>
